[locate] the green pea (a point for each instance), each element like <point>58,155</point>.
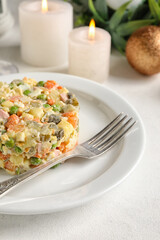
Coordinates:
<point>40,84</point>
<point>14,109</point>
<point>46,105</point>
<point>35,161</point>
<point>19,84</point>
<point>56,165</point>
<point>56,108</point>
<point>18,149</point>
<point>10,143</point>
<point>54,145</point>
<point>11,85</point>
<point>27,92</point>
<point>2,100</point>
<point>17,171</point>
<point>42,97</point>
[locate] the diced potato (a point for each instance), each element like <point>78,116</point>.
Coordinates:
<point>67,127</point>
<point>51,156</point>
<point>54,95</point>
<point>6,109</point>
<point>7,104</point>
<point>49,109</point>
<point>11,134</point>
<point>6,90</point>
<point>37,112</point>
<point>18,91</point>
<point>30,142</point>
<point>16,160</point>
<point>30,81</point>
<point>35,93</point>
<point>19,104</point>
<point>27,116</point>
<point>20,137</point>
<point>53,139</point>
<point>26,164</point>
<point>6,150</point>
<point>4,137</point>
<point>72,140</point>
<point>46,145</point>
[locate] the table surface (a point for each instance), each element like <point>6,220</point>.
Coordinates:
<point>129,211</point>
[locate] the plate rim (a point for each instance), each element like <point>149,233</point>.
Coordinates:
<point>93,196</point>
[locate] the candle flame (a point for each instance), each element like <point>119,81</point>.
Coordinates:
<point>44,6</point>
<point>91,33</point>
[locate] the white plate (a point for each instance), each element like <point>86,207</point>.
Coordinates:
<point>78,180</point>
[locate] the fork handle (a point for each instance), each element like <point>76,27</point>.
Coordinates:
<point>13,182</point>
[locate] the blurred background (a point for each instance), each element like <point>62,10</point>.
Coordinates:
<point>12,36</point>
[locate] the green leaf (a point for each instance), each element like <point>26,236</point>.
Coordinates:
<point>94,11</point>
<point>139,12</point>
<point>84,2</point>
<point>119,42</point>
<point>155,9</point>
<point>148,16</point>
<point>79,2</point>
<point>101,8</point>
<point>80,20</point>
<point>128,28</point>
<point>117,16</point>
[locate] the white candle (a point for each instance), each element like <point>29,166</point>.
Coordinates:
<point>44,32</point>
<point>89,54</point>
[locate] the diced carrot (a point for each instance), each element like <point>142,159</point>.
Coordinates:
<point>50,102</point>
<point>50,84</point>
<point>62,147</point>
<point>59,87</point>
<point>37,120</point>
<point>9,165</point>
<point>19,113</point>
<point>4,157</point>
<point>25,78</point>
<point>72,118</point>
<point>16,128</point>
<point>12,120</point>
<point>37,155</point>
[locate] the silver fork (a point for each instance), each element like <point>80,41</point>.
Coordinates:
<point>94,147</point>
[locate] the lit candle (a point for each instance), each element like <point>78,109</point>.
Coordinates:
<point>89,52</point>
<point>44,32</point>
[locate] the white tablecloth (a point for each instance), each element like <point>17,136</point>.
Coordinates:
<point>129,211</point>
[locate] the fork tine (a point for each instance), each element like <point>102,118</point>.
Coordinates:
<point>102,138</point>
<point>116,140</point>
<point>107,140</point>
<point>118,131</point>
<point>94,138</point>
